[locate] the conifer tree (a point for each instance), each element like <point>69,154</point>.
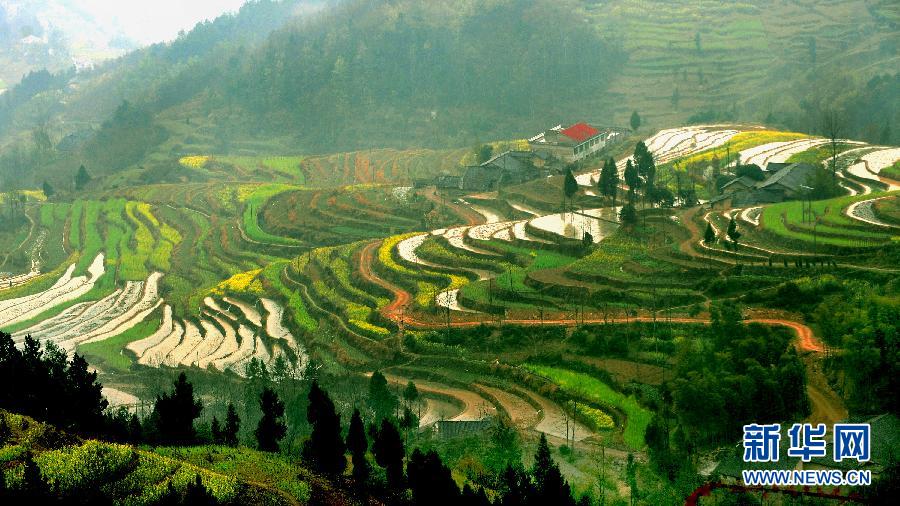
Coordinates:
<point>82,178</point>
<point>358,444</point>
<point>632,179</point>
<point>388,450</point>
<point>175,413</point>
<point>733,233</point>
<point>324,450</point>
<point>709,237</point>
<point>570,185</point>
<point>271,427</point>
<point>550,487</point>
<point>430,480</point>
<point>216,430</point>
<point>232,426</point>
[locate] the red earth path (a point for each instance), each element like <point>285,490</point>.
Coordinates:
<point>401,297</point>
<point>806,340</point>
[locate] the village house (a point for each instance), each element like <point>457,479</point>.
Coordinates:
<point>507,168</point>
<point>572,143</point>
<point>789,182</point>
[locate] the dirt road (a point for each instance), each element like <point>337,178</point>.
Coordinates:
<point>401,297</point>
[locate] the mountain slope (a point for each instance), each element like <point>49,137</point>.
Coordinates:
<point>402,73</point>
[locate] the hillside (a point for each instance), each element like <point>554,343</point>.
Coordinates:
<point>89,471</point>
<point>749,61</point>
<point>51,35</point>
<point>403,74</point>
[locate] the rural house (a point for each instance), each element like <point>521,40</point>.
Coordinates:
<point>785,184</point>
<point>573,143</point>
<point>509,167</point>
<point>447,182</point>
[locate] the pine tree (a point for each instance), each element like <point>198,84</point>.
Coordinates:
<point>358,444</point>
<point>388,450</point>
<point>85,396</point>
<point>709,237</point>
<point>608,185</point>
<point>232,426</point>
<point>646,166</point>
<point>49,192</point>
<point>514,486</point>
<point>430,480</point>
<point>82,178</point>
<point>550,487</point>
<point>135,430</point>
<point>733,233</point>
<point>635,121</point>
<point>411,393</point>
<point>216,431</point>
<point>271,427</point>
<point>33,484</point>
<point>196,494</point>
<point>324,450</point>
<point>175,413</point>
<point>570,185</point>
<point>382,401</point>
<point>628,215</point>
<point>632,179</point>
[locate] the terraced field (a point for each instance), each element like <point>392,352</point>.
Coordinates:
<point>712,52</point>
<point>215,275</point>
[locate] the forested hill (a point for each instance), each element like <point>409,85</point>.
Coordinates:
<point>150,75</point>
<point>409,72</point>
<point>315,76</point>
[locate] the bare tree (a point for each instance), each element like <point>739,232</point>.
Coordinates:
<point>833,128</point>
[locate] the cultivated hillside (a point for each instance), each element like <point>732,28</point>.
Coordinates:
<point>402,74</point>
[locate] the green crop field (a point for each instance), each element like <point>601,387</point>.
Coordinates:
<point>589,388</point>
<point>319,212</point>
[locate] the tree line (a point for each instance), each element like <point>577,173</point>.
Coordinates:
<point>372,460</point>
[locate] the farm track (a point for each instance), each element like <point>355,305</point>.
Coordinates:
<point>476,407</point>
<point>401,297</point>
<point>468,215</point>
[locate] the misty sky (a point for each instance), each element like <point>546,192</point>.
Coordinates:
<point>156,20</point>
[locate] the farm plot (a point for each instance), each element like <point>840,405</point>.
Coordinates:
<point>227,335</point>
<point>67,288</point>
<point>475,407</point>
<point>112,315</point>
<point>600,223</point>
<point>521,413</point>
<point>777,152</point>
<point>784,224</point>
<point>555,422</point>
<point>864,211</point>
<point>872,164</point>
<point>591,389</point>
<point>349,214</point>
<point>670,144</point>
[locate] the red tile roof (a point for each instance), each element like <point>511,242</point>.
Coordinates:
<point>580,132</point>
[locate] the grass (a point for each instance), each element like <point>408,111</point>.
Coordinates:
<point>254,198</point>
<point>129,475</point>
<point>271,469</point>
<point>108,353</point>
<point>833,221</point>
<point>819,154</point>
<point>740,142</point>
<point>295,306</point>
<point>592,389</point>
<point>892,172</point>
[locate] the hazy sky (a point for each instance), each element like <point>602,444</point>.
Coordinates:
<point>156,20</point>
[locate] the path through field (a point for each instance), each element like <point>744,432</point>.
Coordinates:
<point>401,297</point>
